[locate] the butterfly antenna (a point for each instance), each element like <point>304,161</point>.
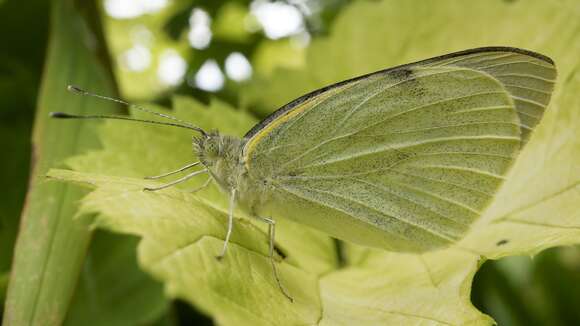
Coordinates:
<point>62,115</point>
<point>79,91</point>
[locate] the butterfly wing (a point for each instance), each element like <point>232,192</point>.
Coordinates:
<point>406,158</point>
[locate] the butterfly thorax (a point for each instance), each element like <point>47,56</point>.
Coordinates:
<point>222,156</point>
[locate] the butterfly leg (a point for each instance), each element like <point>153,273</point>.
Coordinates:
<point>173,172</point>
<point>271,235</point>
<point>182,179</point>
<point>230,224</point>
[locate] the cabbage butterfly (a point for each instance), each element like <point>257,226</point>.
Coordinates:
<point>402,159</point>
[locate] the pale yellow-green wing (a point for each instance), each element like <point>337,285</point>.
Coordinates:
<point>406,158</point>
<point>527,77</point>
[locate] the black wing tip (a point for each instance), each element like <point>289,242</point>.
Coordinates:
<point>501,48</point>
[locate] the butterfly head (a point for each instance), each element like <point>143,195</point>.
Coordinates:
<point>220,155</point>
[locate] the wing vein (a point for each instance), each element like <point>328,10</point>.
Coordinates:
<point>482,108</point>
<point>528,88</point>
<point>461,168</point>
<point>398,148</point>
<point>480,55</point>
<point>529,115</point>
<point>430,194</point>
<point>551,81</point>
<point>543,106</point>
<point>514,62</point>
<point>447,126</point>
<point>443,182</point>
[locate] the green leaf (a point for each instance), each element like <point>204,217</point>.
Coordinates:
<point>230,23</point>
<point>51,246</point>
<point>3,285</point>
<point>112,290</point>
<point>535,209</point>
<point>520,290</point>
<point>369,36</point>
<point>182,235</point>
<point>271,55</point>
<point>20,65</point>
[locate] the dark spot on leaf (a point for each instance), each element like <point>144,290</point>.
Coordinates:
<point>502,242</point>
<point>340,254</point>
<point>280,252</point>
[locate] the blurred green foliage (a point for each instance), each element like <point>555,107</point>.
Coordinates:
<point>543,290</point>
<point>21,60</point>
<point>111,289</point>
<point>514,291</point>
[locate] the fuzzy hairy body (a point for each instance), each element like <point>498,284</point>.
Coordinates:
<point>222,156</point>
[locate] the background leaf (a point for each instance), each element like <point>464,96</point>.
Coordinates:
<point>112,290</point>
<point>19,80</point>
<point>373,35</point>
<point>51,245</point>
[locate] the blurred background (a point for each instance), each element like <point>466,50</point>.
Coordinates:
<point>206,49</point>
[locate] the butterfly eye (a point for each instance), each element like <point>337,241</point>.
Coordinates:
<point>212,150</point>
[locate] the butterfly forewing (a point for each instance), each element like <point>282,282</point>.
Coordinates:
<point>529,79</point>
<point>404,159</point>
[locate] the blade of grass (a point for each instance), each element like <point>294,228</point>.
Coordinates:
<point>20,66</point>
<point>51,245</point>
